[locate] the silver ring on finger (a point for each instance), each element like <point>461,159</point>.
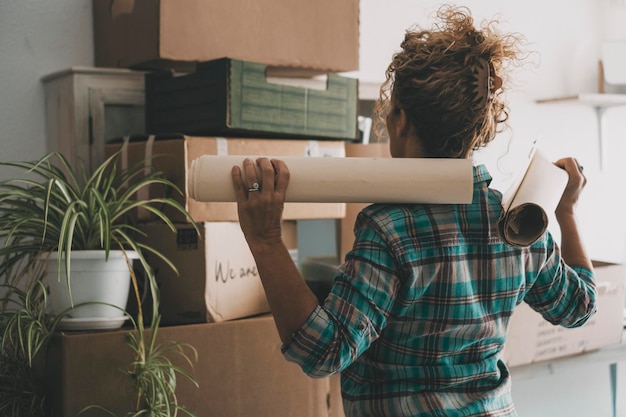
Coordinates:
<point>255,187</point>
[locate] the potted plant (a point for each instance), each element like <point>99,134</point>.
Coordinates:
<point>24,332</point>
<point>50,219</point>
<point>64,228</point>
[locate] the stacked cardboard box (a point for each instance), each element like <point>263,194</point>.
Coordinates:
<point>210,74</point>
<point>240,372</point>
<point>206,289</point>
<point>173,155</point>
<point>227,57</point>
<point>322,35</point>
<point>231,107</point>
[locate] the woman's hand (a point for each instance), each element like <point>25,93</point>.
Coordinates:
<point>572,247</point>
<point>260,198</point>
<point>575,185</point>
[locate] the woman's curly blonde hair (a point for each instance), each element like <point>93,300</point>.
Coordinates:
<point>434,77</point>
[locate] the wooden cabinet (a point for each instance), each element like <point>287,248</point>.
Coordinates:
<point>86,107</point>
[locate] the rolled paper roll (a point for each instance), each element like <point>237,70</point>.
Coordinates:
<point>527,204</point>
<point>346,180</point>
<point>523,225</point>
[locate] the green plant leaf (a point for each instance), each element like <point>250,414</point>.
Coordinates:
<point>59,208</point>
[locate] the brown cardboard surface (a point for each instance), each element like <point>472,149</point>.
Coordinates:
<point>603,328</point>
<point>336,404</point>
<point>346,224</point>
<point>240,371</point>
<point>218,279</point>
<point>321,35</point>
<point>521,340</point>
<point>174,154</point>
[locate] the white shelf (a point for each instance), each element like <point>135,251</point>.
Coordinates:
<point>591,99</point>
<point>600,103</point>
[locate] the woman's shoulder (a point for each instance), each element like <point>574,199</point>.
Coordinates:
<point>388,216</point>
<point>378,210</point>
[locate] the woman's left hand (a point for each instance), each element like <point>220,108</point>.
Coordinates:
<point>260,199</point>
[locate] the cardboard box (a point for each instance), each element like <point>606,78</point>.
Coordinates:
<point>174,154</point>
<point>346,224</point>
<point>235,98</point>
<point>240,371</point>
<point>606,327</point>
<point>322,35</point>
<point>521,340</point>
<point>218,279</point>
<point>336,402</point>
<point>532,339</point>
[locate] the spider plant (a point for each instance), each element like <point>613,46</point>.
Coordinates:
<point>25,330</point>
<point>56,208</point>
<point>155,376</point>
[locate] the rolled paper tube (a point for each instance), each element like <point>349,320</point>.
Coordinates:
<point>529,201</point>
<point>346,180</point>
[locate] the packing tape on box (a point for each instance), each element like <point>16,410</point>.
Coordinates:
<point>144,192</point>
<point>346,180</point>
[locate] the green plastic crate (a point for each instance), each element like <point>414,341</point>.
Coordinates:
<point>232,97</point>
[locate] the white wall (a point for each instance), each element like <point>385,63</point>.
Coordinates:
<point>36,38</point>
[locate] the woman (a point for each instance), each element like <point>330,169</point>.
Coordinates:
<point>418,314</point>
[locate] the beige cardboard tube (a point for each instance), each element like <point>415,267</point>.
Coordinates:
<point>346,180</point>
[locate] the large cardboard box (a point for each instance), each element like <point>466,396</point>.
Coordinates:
<point>217,280</point>
<point>532,339</point>
<point>322,34</point>
<point>606,327</point>
<point>173,155</point>
<point>236,98</point>
<point>240,372</point>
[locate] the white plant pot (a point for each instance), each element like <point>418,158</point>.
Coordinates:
<point>100,283</point>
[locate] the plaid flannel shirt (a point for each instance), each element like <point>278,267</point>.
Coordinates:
<point>418,314</point>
